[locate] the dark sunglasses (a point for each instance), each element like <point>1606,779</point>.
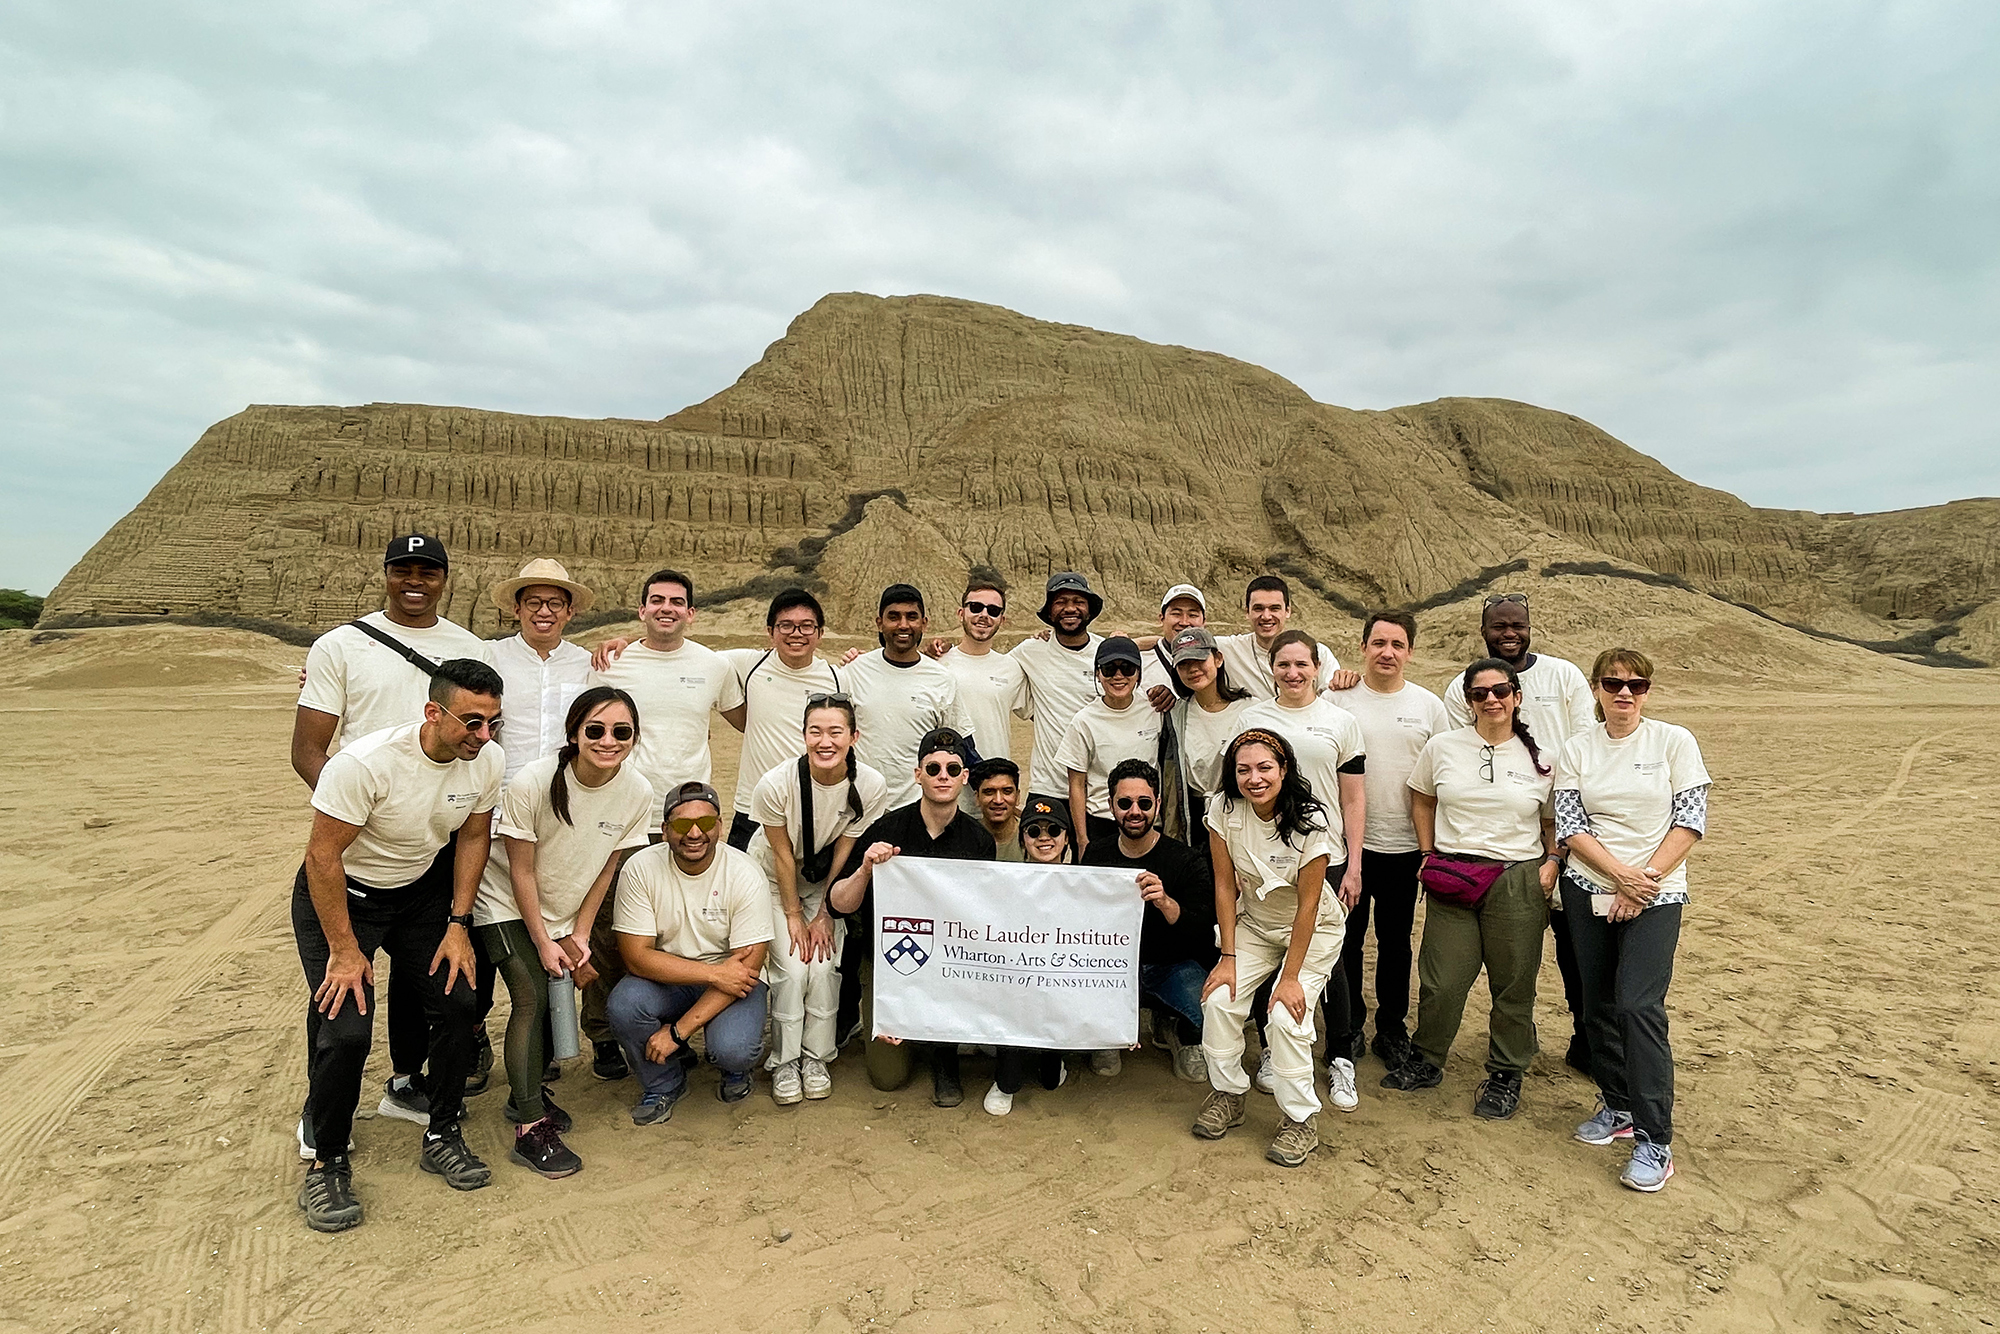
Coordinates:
<point>706,823</point>
<point>985,608</point>
<point>1134,803</point>
<point>619,731</point>
<point>1495,599</point>
<point>1041,830</point>
<point>1480,694</point>
<point>951,767</point>
<point>1611,685</point>
<point>478,722</point>
<point>1117,669</point>
<point>837,698</point>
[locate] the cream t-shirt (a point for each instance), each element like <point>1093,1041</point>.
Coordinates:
<point>1267,868</point>
<point>1628,786</point>
<point>1324,736</point>
<point>1555,699</point>
<point>539,693</point>
<point>702,917</point>
<point>1060,681</point>
<point>894,707</point>
<point>370,686</point>
<point>1203,737</point>
<point>675,692</point>
<point>1099,737</point>
<point>774,713</point>
<point>1394,727</point>
<point>406,803</point>
<point>1249,668</point>
<point>1501,818</point>
<point>991,687</point>
<point>568,857</point>
<point>775,801</point>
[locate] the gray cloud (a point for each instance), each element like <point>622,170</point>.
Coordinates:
<point>1753,242</point>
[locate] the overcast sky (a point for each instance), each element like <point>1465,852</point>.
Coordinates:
<point>1755,241</point>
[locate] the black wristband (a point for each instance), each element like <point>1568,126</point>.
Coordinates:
<point>463,919</point>
<point>674,1032</point>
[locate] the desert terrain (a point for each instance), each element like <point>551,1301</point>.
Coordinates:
<point>1836,1025</point>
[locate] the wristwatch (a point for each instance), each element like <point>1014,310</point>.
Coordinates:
<point>463,919</point>
<point>674,1032</point>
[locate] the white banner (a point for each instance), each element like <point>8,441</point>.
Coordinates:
<point>1007,953</point>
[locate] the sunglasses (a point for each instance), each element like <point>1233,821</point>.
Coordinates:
<point>619,731</point>
<point>1612,685</point>
<point>1480,694</point>
<point>1495,599</point>
<point>706,823</point>
<point>951,767</point>
<point>477,723</point>
<point>837,698</point>
<point>1134,803</point>
<point>985,608</point>
<point>1117,669</point>
<point>1041,830</point>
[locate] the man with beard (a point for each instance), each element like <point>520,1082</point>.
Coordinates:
<point>1556,704</point>
<point>1061,673</point>
<point>900,695</point>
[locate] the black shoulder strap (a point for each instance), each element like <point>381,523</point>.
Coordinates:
<point>416,659</point>
<point>745,682</point>
<point>806,802</point>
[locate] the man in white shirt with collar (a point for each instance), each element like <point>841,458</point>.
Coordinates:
<point>544,672</point>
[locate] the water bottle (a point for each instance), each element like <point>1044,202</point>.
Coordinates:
<point>562,1017</point>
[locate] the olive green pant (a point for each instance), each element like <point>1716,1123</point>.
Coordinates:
<point>1504,933</point>
<point>889,1064</point>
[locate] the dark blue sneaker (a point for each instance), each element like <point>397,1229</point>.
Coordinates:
<point>654,1108</point>
<point>734,1087</point>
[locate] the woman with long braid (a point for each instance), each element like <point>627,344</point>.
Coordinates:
<point>563,820</point>
<point>1480,800</point>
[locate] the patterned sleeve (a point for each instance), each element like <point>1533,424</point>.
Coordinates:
<point>1570,817</point>
<point>1691,810</point>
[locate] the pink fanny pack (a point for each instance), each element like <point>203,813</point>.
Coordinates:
<point>1460,880</point>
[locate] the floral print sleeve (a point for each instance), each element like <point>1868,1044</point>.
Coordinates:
<point>1570,817</point>
<point>1690,810</point>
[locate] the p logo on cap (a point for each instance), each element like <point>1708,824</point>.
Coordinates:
<point>419,547</point>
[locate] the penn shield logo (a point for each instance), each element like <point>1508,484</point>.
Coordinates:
<point>911,947</point>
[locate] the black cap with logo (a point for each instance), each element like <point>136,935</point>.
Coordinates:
<point>417,547</point>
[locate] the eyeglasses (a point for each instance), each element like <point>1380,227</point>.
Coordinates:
<point>619,731</point>
<point>1041,830</point>
<point>1134,803</point>
<point>985,608</point>
<point>540,604</point>
<point>837,699</point>
<point>1486,764</point>
<point>1495,599</point>
<point>706,823</point>
<point>477,723</point>
<point>796,629</point>
<point>1118,669</point>
<point>1612,685</point>
<point>1480,694</point>
<point>951,767</point>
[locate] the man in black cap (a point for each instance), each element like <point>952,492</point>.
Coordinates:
<point>1060,672</point>
<point>931,826</point>
<point>361,678</point>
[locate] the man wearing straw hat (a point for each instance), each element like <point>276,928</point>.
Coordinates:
<point>544,672</point>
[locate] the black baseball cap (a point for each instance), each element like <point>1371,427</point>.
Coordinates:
<point>691,791</point>
<point>940,738</point>
<point>417,547</point>
<point>1069,581</point>
<point>1118,649</point>
<point>1044,808</point>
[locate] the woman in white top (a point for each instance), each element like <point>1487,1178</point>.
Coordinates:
<point>1631,800</point>
<point>799,847</point>
<point>1480,802</point>
<point>563,821</point>
<point>1204,723</point>
<point>1268,843</point>
<point>1109,730</point>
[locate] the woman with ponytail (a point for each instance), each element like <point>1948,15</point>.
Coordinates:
<point>809,811</point>
<point>562,822</point>
<point>1481,803</point>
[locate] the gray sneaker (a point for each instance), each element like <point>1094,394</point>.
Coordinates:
<point>1107,1062</point>
<point>326,1196</point>
<point>1652,1164</point>
<point>1605,1126</point>
<point>1189,1063</point>
<point>1219,1115</point>
<point>1294,1143</point>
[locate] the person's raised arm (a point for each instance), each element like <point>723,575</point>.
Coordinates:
<point>312,737</point>
<point>607,653</point>
<point>348,971</point>
<point>1288,992</point>
<point>845,895</point>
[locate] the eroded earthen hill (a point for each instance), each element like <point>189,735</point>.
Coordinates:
<point>920,437</point>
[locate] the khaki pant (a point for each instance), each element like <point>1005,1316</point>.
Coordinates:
<point>1260,952</point>
<point>889,1064</point>
<point>1504,933</point>
<point>804,996</point>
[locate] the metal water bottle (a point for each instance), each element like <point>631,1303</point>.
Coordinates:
<point>562,1018</point>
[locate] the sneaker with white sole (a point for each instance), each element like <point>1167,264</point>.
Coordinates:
<point>1294,1143</point>
<point>402,1099</point>
<point>1605,1126</point>
<point>1340,1084</point>
<point>1189,1063</point>
<point>997,1102</point>
<point>1267,1078</point>
<point>1107,1062</point>
<point>1652,1165</point>
<point>813,1074</point>
<point>308,1153</point>
<point>787,1087</point>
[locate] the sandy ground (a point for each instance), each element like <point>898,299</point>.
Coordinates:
<point>1837,1024</point>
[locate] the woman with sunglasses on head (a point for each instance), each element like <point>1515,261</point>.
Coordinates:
<point>798,843</point>
<point>1044,842</point>
<point>563,821</point>
<point>1268,844</point>
<point>1480,803</point>
<point>1631,800</point>
<point>1112,727</point>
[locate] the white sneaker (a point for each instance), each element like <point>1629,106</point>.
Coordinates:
<point>998,1103</point>
<point>818,1082</point>
<point>785,1088</point>
<point>1107,1062</point>
<point>1266,1080</point>
<point>1340,1084</point>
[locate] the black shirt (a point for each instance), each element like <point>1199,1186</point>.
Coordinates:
<point>964,840</point>
<point>1187,883</point>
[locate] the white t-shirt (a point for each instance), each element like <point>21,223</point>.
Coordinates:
<point>1156,668</point>
<point>1499,818</point>
<point>675,693</point>
<point>703,917</point>
<point>1555,699</point>
<point>1203,737</point>
<point>370,686</point>
<point>539,693</point>
<point>776,801</point>
<point>1628,787</point>
<point>1099,738</point>
<point>774,712</point>
<point>1267,868</point>
<point>991,686</point>
<point>894,706</point>
<point>568,857</point>
<point>1395,728</point>
<point>407,804</point>
<point>1060,681</point>
<point>1249,668</point>
<point>1324,736</point>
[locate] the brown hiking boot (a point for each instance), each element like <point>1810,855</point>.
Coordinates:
<point>1219,1114</point>
<point>1293,1144</point>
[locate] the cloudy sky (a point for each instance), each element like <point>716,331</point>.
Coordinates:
<point>1756,241</point>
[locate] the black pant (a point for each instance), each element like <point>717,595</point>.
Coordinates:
<point>1572,976</point>
<point>1013,1065</point>
<point>1625,969</point>
<point>1389,886</point>
<point>409,1034</point>
<point>408,924</point>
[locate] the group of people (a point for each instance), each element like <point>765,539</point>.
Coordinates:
<point>1270,806</point>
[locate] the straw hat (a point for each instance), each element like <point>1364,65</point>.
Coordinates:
<point>541,571</point>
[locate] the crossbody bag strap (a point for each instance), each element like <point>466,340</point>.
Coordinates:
<point>415,659</point>
<point>806,805</point>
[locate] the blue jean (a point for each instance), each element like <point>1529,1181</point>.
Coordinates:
<point>1177,986</point>
<point>640,1007</point>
